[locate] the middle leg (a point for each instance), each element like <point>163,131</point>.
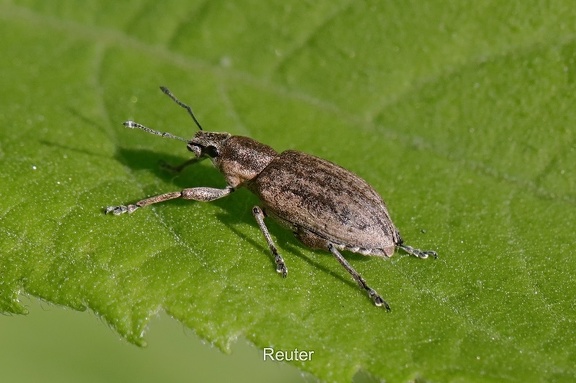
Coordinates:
<point>280,265</point>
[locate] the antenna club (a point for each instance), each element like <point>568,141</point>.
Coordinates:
<point>135,125</point>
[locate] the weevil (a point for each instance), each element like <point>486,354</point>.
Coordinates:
<point>326,206</point>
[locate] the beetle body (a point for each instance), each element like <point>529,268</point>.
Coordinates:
<point>304,193</point>
<point>325,203</point>
<point>326,206</point>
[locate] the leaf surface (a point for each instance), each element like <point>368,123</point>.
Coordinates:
<point>461,115</point>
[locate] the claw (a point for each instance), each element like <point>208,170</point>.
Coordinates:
<point>418,253</point>
<point>281,268</point>
<point>117,210</point>
<point>378,301</point>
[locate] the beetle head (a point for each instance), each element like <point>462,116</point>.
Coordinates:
<point>207,144</point>
<point>239,159</point>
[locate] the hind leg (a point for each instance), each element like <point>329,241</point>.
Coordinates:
<point>315,242</point>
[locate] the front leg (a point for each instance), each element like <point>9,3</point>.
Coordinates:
<point>203,194</point>
<point>179,168</point>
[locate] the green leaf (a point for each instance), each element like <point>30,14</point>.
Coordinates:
<point>460,114</point>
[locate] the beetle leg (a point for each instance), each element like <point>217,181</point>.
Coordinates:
<point>417,253</point>
<point>280,265</point>
<point>373,294</point>
<point>178,168</point>
<point>203,194</point>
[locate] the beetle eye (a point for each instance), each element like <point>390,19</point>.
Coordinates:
<point>211,151</point>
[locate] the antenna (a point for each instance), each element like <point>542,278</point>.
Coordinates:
<point>189,109</point>
<point>132,125</point>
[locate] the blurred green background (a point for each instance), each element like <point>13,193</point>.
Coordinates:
<point>54,344</point>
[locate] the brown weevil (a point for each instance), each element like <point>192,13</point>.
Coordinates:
<point>326,206</point>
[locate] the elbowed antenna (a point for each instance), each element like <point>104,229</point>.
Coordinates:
<point>132,125</point>
<point>189,109</point>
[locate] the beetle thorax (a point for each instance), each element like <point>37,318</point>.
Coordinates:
<point>240,159</point>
